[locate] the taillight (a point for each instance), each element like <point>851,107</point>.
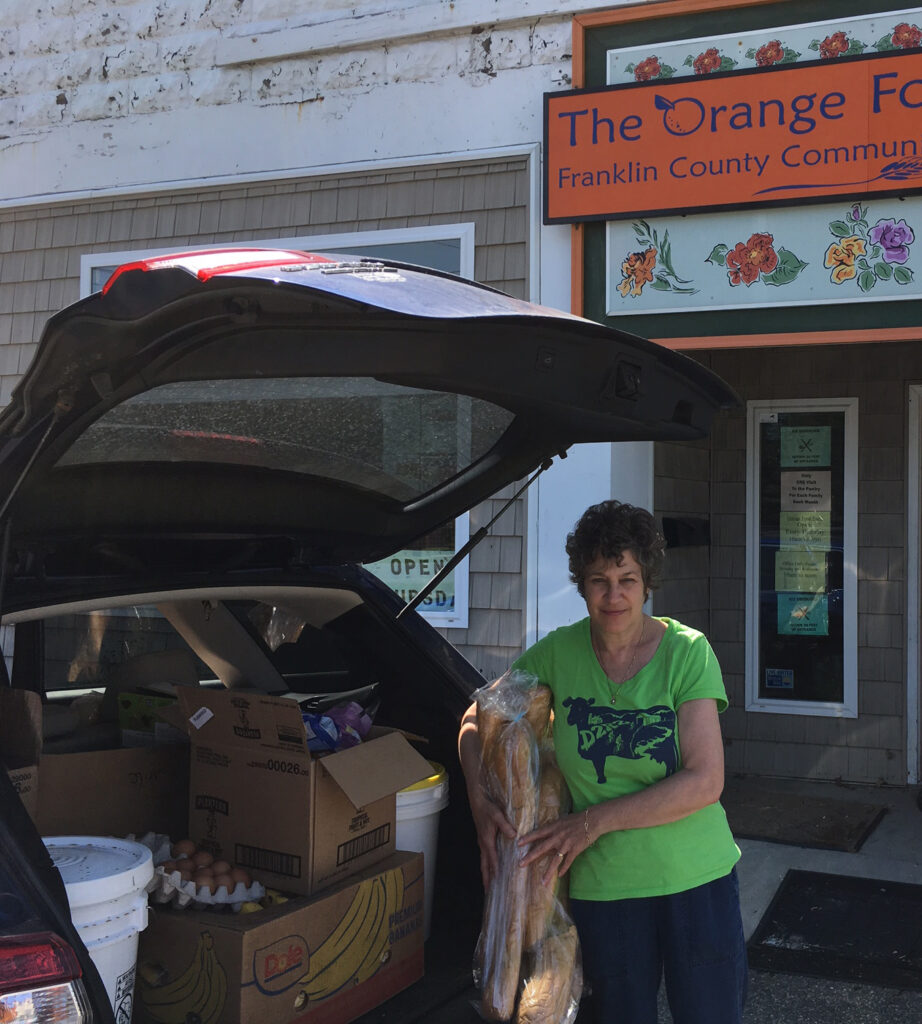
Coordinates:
<point>40,981</point>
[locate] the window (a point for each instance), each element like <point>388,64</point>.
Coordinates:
<point>399,441</point>
<point>801,624</point>
<point>92,650</point>
<point>446,247</point>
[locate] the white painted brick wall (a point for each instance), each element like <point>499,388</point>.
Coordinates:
<point>112,94</point>
<point>83,60</point>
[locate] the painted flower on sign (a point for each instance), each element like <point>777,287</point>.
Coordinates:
<point>772,52</point>
<point>757,260</point>
<point>649,68</point>
<point>711,60</point>
<point>903,37</point>
<point>707,62</point>
<point>906,36</point>
<point>651,265</point>
<point>834,46</point>
<point>749,259</point>
<point>894,238</point>
<point>837,44</point>
<point>637,270</point>
<point>841,257</point>
<point>869,254</point>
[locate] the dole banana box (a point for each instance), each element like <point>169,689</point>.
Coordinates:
<point>325,959</point>
<point>259,799</point>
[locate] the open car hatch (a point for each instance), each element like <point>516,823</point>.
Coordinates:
<point>346,405</point>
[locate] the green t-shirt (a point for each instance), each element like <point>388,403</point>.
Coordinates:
<point>606,751</point>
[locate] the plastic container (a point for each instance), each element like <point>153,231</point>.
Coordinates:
<point>418,809</point>
<point>106,881</point>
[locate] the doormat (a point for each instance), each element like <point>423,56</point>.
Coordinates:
<point>798,820</point>
<point>843,928</point>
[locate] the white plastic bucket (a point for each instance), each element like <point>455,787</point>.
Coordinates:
<point>106,882</point>
<point>418,809</point>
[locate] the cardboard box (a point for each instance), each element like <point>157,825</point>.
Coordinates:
<point>114,792</point>
<point>98,792</point>
<point>259,799</point>
<point>20,742</point>
<point>315,960</point>
<point>25,782</point>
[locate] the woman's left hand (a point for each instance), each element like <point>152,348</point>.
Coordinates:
<point>562,841</point>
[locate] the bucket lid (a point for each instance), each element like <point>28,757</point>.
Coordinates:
<point>96,868</point>
<point>435,779</point>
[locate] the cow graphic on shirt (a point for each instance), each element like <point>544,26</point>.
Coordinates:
<point>605,732</point>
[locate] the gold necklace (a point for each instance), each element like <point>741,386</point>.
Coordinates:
<point>643,626</point>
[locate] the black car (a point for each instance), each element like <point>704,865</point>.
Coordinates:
<point>218,434</point>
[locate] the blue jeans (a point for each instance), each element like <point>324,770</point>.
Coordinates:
<point>694,938</point>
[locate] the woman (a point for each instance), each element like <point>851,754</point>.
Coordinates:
<point>651,859</point>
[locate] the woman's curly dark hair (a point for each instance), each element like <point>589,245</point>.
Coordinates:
<point>610,528</point>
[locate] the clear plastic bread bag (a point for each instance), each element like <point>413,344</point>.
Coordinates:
<point>526,963</point>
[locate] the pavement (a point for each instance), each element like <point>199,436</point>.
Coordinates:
<point>892,852</point>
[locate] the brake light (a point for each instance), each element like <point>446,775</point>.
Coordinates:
<point>208,263</point>
<point>40,981</point>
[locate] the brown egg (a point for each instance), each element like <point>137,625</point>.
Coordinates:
<point>184,848</point>
<point>224,880</point>
<point>186,873</point>
<point>240,875</point>
<point>221,867</point>
<point>204,880</point>
<point>202,859</point>
<point>169,866</point>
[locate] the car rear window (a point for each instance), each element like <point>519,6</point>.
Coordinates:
<point>86,650</point>
<point>398,441</point>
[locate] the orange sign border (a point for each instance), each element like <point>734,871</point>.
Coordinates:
<point>590,210</point>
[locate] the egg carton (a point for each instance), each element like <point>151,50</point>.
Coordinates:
<point>167,887</point>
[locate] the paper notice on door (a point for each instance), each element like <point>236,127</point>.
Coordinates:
<point>806,490</point>
<point>801,571</point>
<point>804,530</point>
<point>799,615</point>
<point>805,446</point>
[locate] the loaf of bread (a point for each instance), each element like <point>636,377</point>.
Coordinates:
<point>504,919</point>
<point>538,711</point>
<point>526,929</point>
<point>511,764</point>
<point>553,800</point>
<point>553,983</point>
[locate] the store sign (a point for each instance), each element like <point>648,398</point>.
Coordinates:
<point>411,570</point>
<point>849,127</point>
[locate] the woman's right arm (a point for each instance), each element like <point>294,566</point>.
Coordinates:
<point>489,819</point>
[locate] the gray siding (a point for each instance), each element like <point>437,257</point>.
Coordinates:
<point>871,748</point>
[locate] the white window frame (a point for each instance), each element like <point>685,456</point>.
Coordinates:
<point>464,233</point>
<point>757,413</point>
<point>457,618</point>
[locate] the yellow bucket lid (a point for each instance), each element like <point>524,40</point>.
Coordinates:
<point>433,780</point>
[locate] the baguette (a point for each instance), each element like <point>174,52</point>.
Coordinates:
<point>512,716</point>
<point>513,761</point>
<point>504,930</point>
<point>538,711</point>
<point>554,982</point>
<point>553,797</point>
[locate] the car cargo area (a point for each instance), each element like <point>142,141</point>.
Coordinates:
<point>96,738</point>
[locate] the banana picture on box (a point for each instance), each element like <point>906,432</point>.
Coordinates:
<point>197,995</point>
